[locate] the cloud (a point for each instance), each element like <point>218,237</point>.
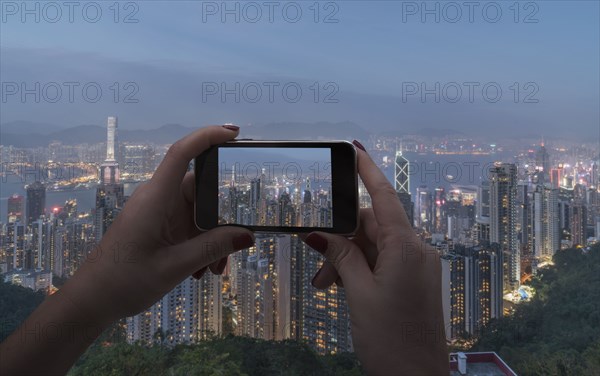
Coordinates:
<point>147,95</point>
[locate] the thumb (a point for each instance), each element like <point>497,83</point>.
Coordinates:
<point>204,249</point>
<point>344,255</point>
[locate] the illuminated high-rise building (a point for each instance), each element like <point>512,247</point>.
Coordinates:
<point>424,208</point>
<point>503,218</point>
<point>471,288</point>
<point>15,206</point>
<point>36,201</point>
<point>525,224</point>
<point>320,317</point>
<point>524,216</point>
<point>180,317</point>
<point>110,193</point>
<point>39,252</point>
<point>402,185</point>
<point>111,139</point>
<point>146,327</point>
<point>542,162</point>
<point>275,298</point>
<point>401,174</point>
<point>15,245</point>
<point>578,222</point>
<point>546,235</point>
<point>263,283</point>
<point>439,211</point>
<point>595,174</point>
<point>210,306</point>
<point>556,175</point>
<point>482,214</point>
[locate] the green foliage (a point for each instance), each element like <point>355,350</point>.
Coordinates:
<point>231,356</point>
<point>122,359</point>
<point>558,331</point>
<point>16,304</point>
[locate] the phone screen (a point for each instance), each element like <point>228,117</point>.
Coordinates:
<point>275,186</point>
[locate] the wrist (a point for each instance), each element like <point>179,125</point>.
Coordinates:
<point>87,297</point>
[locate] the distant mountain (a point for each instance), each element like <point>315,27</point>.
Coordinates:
<point>170,133</point>
<point>92,134</point>
<point>82,134</point>
<point>306,131</point>
<point>28,127</point>
<point>425,132</point>
<point>166,134</point>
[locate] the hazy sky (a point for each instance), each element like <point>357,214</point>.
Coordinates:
<point>369,66</point>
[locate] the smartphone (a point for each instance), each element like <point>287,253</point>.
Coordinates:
<point>278,186</point>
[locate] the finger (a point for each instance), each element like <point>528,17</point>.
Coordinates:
<point>175,164</point>
<point>388,210</point>
<point>209,247</point>
<point>366,238</point>
<point>325,277</point>
<point>368,226</point>
<point>218,267</point>
<point>187,187</point>
<point>346,257</point>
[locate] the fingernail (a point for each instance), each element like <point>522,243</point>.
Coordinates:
<point>317,242</point>
<point>199,273</point>
<point>359,145</point>
<point>242,241</point>
<point>315,278</point>
<point>234,128</point>
<point>222,265</point>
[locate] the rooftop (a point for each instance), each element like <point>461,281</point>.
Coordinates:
<point>480,364</point>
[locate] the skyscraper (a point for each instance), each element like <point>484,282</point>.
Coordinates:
<point>262,287</point>
<point>525,224</point>
<point>14,208</point>
<point>402,177</point>
<point>322,320</point>
<point>439,211</point>
<point>210,306</point>
<point>503,213</point>
<point>36,201</point>
<point>483,201</point>
<point>275,298</point>
<point>109,195</point>
<point>186,314</point>
<point>578,216</point>
<point>402,185</point>
<point>471,288</point>
<point>545,222</point>
<point>424,208</point>
<point>542,162</point>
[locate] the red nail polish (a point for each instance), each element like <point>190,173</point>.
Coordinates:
<point>316,242</point>
<point>234,128</point>
<point>359,145</point>
<point>242,241</point>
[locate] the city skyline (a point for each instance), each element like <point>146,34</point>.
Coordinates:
<point>275,186</point>
<point>492,234</point>
<point>483,117</point>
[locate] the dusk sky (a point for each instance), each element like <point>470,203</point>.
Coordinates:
<point>365,62</point>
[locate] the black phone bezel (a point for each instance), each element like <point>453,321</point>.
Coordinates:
<point>344,186</point>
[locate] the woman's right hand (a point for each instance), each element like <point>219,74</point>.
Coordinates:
<point>392,282</point>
